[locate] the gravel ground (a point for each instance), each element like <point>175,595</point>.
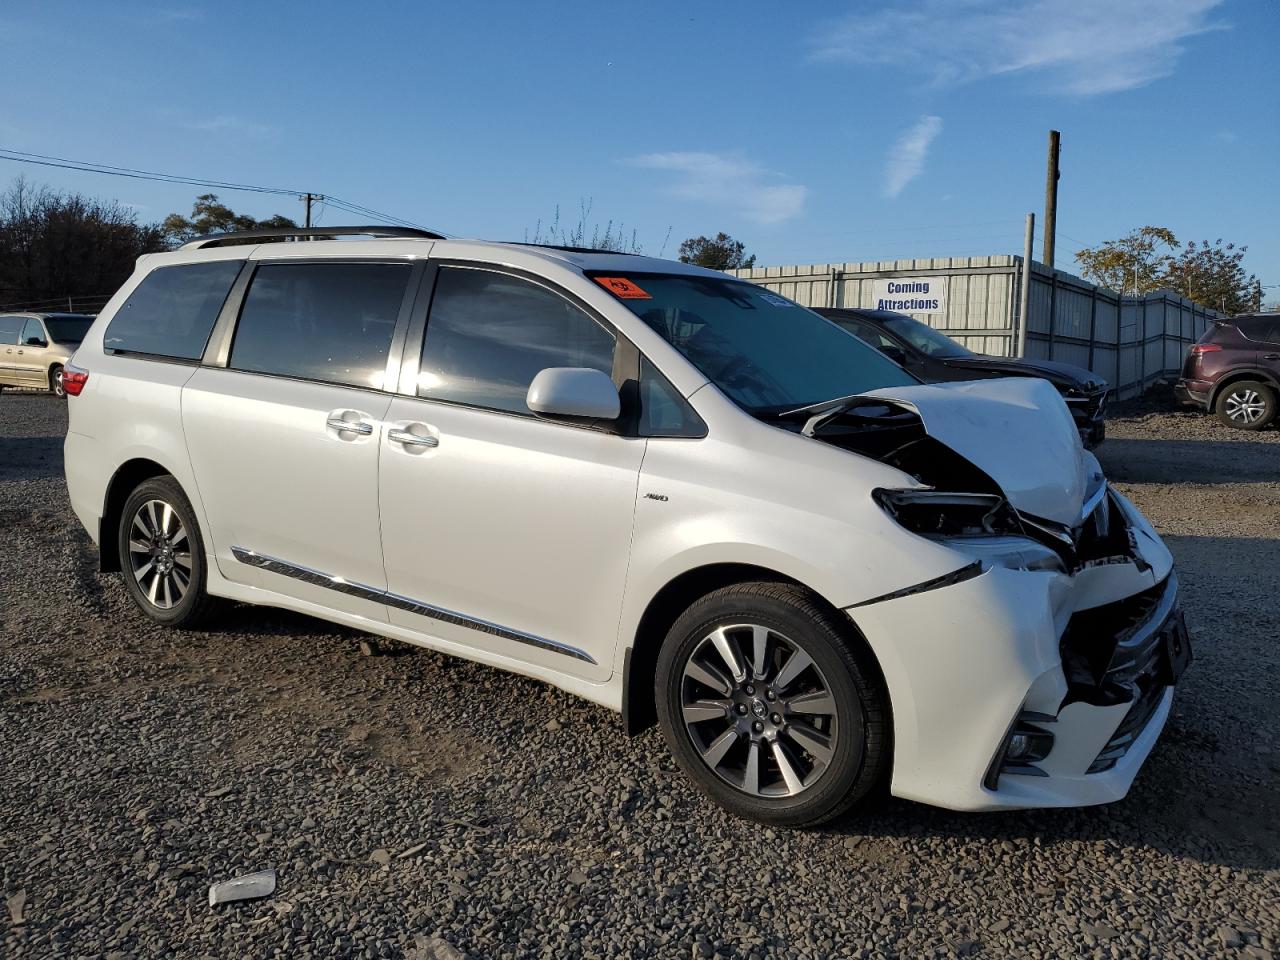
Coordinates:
<point>414,805</point>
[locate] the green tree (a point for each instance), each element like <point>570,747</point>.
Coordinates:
<point>1213,274</point>
<point>209,215</point>
<point>1135,264</point>
<point>720,252</point>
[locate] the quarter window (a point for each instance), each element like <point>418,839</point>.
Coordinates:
<point>172,311</point>
<point>663,412</point>
<point>331,322</point>
<point>489,334</point>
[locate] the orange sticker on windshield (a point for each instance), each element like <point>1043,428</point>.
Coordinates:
<point>622,288</point>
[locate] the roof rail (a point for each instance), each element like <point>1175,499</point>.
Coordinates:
<point>299,233</point>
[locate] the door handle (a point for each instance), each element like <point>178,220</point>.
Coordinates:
<point>351,426</point>
<point>1271,356</point>
<point>411,439</point>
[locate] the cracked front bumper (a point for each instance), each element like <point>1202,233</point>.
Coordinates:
<point>1084,656</point>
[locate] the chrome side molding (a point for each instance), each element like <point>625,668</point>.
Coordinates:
<point>354,588</point>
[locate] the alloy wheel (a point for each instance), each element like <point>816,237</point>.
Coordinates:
<point>58,389</point>
<point>759,710</point>
<point>1245,406</point>
<point>160,554</point>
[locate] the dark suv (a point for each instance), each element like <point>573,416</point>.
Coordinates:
<point>1234,370</point>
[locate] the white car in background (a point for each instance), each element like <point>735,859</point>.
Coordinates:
<point>666,490</point>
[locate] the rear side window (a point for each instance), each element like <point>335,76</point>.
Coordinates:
<point>172,311</point>
<point>10,327</point>
<point>331,322</point>
<point>489,334</point>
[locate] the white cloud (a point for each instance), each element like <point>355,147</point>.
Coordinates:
<point>907,156</point>
<point>729,181</point>
<point>1082,47</point>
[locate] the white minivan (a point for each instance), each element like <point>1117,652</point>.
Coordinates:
<point>661,488</point>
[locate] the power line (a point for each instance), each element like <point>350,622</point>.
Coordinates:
<point>65,163</point>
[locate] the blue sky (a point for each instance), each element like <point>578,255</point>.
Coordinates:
<point>814,132</point>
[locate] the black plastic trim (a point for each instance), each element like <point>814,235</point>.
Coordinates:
<point>356,589</point>
<point>967,572</point>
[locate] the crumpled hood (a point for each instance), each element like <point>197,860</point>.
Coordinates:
<point>1018,431</point>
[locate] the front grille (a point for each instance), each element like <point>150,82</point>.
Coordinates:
<point>1107,649</point>
<point>1117,654</point>
<point>1135,721</point>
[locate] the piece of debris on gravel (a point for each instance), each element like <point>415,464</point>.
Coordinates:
<point>252,886</point>
<point>114,731</point>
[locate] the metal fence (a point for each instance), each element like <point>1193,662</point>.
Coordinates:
<point>1130,341</point>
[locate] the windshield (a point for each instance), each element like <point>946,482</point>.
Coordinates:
<point>767,353</point>
<point>924,338</point>
<point>67,329</point>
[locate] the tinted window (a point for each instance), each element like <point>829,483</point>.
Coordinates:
<point>767,353</point>
<point>1260,329</point>
<point>321,321</point>
<point>868,333</point>
<point>489,334</point>
<point>33,333</point>
<point>663,412</point>
<point>10,327</point>
<point>172,311</point>
<point>68,329</point>
<point>924,338</point>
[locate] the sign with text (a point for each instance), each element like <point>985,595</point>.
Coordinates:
<point>911,294</point>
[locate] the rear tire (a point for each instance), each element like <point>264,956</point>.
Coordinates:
<point>1246,405</point>
<point>55,382</point>
<point>782,741</point>
<point>162,554</point>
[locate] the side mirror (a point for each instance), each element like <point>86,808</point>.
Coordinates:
<point>574,392</point>
<point>34,342</point>
<point>896,354</point>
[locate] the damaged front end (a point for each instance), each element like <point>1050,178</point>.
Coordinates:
<point>1066,613</point>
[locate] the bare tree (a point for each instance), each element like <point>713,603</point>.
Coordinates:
<point>55,246</point>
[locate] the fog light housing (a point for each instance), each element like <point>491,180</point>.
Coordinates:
<point>1025,745</point>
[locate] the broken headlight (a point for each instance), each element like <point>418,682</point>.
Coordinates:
<point>983,526</point>
<point>935,513</point>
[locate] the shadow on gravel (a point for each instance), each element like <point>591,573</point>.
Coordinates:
<point>30,458</point>
<point>1215,462</point>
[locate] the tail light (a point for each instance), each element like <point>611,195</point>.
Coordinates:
<point>74,379</point>
<point>1200,348</point>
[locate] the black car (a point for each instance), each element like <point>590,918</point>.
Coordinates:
<point>935,357</point>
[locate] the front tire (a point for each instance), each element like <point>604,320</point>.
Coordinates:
<point>55,382</point>
<point>162,554</point>
<point>1247,405</point>
<point>773,705</point>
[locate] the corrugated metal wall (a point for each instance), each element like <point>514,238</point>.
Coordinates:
<point>1130,341</point>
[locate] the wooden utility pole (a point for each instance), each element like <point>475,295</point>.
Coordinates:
<point>1051,197</point>
<point>308,199</point>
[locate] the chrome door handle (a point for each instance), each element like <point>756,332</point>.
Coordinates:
<point>351,426</point>
<point>411,439</point>
<point>1271,356</point>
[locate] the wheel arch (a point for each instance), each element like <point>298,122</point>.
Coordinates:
<point>639,708</point>
<point>127,476</point>
<point>1236,376</point>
